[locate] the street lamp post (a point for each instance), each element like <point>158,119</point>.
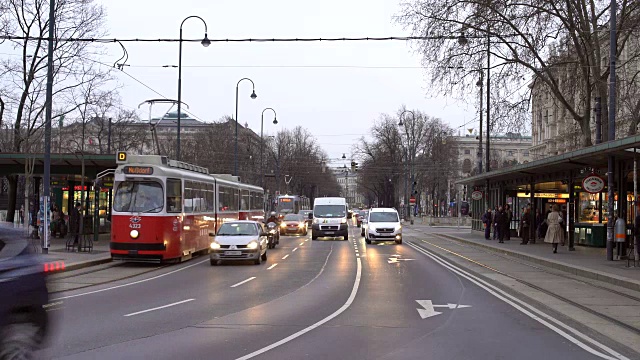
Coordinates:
<point>408,165</point>
<point>253,96</point>
<point>275,122</point>
<point>205,42</point>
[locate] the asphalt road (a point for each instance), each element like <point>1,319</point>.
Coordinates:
<point>323,300</point>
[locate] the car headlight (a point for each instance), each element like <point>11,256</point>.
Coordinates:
<point>214,245</point>
<point>398,227</point>
<point>252,245</point>
<point>301,225</point>
<point>343,221</point>
<point>134,234</point>
<point>316,221</point>
<point>283,225</point>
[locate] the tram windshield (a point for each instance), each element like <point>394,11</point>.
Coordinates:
<point>137,196</point>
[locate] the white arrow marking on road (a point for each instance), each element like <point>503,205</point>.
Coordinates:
<point>394,260</point>
<point>429,309</point>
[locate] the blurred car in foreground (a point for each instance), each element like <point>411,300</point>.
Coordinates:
<point>23,317</point>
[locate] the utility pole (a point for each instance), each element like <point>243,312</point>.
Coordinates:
<point>612,125</point>
<point>47,128</point>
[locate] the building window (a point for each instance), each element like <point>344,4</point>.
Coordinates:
<point>509,152</point>
<point>526,153</point>
<point>467,151</point>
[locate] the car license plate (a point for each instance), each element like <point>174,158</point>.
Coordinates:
<point>233,252</point>
<point>329,232</point>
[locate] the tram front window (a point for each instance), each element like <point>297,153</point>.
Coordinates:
<point>136,196</point>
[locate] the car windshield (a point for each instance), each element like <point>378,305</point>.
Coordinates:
<point>383,217</point>
<point>329,211</point>
<point>138,196</point>
<point>238,229</point>
<point>292,217</point>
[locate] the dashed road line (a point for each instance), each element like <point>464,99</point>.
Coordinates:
<point>160,307</point>
<point>286,256</point>
<point>294,249</point>
<point>243,282</point>
<point>272,266</point>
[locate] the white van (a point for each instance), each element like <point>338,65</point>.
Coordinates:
<point>329,218</point>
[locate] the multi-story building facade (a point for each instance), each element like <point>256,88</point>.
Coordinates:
<point>505,150</point>
<point>348,182</point>
<point>555,131</point>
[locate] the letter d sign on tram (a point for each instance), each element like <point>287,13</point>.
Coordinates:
<point>121,157</point>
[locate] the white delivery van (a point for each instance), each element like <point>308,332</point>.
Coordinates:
<point>329,218</point>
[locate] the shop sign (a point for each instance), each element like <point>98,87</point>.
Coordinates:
<point>545,195</point>
<point>593,184</point>
<point>476,195</point>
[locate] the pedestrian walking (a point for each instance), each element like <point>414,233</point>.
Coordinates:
<point>486,220</point>
<point>555,233</point>
<point>524,226</point>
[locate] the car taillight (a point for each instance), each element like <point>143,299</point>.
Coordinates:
<point>54,266</point>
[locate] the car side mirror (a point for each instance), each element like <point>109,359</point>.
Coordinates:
<point>212,234</point>
<point>310,216</point>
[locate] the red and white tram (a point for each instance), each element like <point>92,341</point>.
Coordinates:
<point>165,209</point>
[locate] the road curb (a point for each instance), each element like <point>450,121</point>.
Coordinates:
<point>571,269</point>
<point>85,264</point>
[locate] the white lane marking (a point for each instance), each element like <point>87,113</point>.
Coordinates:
<point>272,266</point>
<point>131,283</point>
<point>344,307</point>
<point>243,281</point>
<point>286,256</point>
<point>160,307</point>
<point>306,239</point>
<point>294,249</point>
<point>301,243</point>
<point>528,310</point>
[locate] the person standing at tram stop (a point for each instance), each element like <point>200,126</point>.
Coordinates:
<point>74,223</point>
<point>507,229</point>
<point>525,218</point>
<point>555,233</point>
<point>500,220</point>
<point>486,220</point>
<point>494,222</point>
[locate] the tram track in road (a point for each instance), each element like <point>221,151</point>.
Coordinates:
<point>545,291</point>
<point>568,332</point>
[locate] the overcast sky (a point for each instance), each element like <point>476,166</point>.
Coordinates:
<point>332,89</point>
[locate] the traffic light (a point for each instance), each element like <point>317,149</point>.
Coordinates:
<point>354,166</point>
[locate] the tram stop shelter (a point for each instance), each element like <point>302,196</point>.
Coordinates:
<point>67,172</point>
<point>559,180</point>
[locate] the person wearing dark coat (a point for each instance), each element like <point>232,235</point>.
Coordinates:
<point>74,223</point>
<point>501,223</point>
<point>486,220</point>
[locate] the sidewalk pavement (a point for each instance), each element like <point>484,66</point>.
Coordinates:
<point>585,261</point>
<point>73,260</point>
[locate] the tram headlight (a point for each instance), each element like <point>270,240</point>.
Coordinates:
<point>134,234</point>
<point>214,245</point>
<point>252,245</point>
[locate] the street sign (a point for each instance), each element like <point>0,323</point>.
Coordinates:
<point>412,200</point>
<point>428,309</point>
<point>476,195</point>
<point>593,184</point>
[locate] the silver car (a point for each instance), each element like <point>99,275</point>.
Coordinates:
<point>239,240</point>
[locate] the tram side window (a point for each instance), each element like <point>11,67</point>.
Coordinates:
<point>174,195</point>
<point>210,198</point>
<point>225,199</point>
<point>245,200</point>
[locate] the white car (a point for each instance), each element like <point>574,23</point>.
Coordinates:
<point>383,224</point>
<point>239,240</point>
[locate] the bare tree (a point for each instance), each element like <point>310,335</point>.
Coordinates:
<point>25,75</point>
<point>561,44</point>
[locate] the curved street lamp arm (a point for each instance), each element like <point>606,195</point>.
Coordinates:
<point>252,84</point>
<point>274,112</point>
<point>195,16</point>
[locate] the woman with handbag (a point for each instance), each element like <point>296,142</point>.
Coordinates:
<point>555,233</point>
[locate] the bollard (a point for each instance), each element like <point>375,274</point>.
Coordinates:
<point>620,236</point>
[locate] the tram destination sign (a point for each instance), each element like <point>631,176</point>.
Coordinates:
<point>138,170</point>
<point>593,184</point>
